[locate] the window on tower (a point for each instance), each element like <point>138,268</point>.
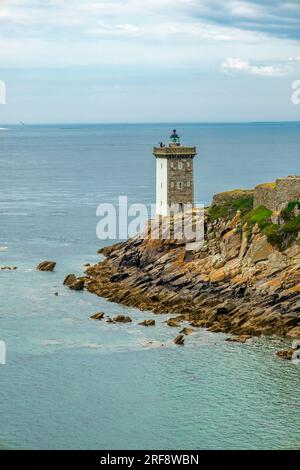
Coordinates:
<point>179,165</point>
<point>179,185</point>
<point>172,184</point>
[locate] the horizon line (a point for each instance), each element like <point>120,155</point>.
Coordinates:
<point>173,123</point>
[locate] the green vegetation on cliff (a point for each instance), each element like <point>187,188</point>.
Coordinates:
<point>228,210</point>
<point>281,235</point>
<point>260,215</point>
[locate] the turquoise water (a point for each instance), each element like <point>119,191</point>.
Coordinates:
<point>73,383</point>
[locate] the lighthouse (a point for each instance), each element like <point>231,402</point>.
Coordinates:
<point>174,175</point>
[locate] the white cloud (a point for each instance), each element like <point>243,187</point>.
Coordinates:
<point>107,31</point>
<point>294,59</point>
<point>245,9</point>
<point>244,66</point>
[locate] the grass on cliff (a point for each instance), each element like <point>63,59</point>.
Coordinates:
<point>288,213</point>
<point>228,210</point>
<point>283,235</point>
<point>260,215</point>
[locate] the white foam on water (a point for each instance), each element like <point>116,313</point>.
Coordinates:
<point>90,346</point>
<point>52,342</point>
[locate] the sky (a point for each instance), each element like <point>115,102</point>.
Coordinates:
<point>149,60</point>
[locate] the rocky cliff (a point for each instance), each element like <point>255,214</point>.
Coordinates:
<point>244,280</point>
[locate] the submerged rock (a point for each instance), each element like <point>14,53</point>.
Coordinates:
<point>285,354</point>
<point>98,316</point>
<point>147,323</point>
<point>173,322</point>
<point>8,268</point>
<point>239,339</point>
<point>46,266</point>
<point>122,319</point>
<point>187,331</point>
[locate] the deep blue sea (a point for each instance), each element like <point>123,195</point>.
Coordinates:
<point>73,383</point>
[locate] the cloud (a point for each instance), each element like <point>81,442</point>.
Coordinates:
<point>244,66</point>
<point>170,31</point>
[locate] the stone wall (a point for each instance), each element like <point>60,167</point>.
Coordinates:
<point>287,189</point>
<point>265,195</point>
<point>276,196</point>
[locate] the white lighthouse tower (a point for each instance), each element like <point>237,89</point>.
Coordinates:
<point>174,175</point>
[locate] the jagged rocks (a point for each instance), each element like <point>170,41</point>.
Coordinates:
<point>98,316</point>
<point>46,266</point>
<point>179,340</point>
<point>70,279</point>
<point>255,292</point>
<point>147,323</point>
<point>73,282</point>
<point>119,277</point>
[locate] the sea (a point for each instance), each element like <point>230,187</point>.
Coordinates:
<point>73,383</point>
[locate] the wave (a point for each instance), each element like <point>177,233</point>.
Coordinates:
<point>52,342</point>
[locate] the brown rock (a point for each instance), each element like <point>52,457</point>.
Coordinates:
<point>77,285</point>
<point>46,266</point>
<point>239,339</point>
<point>198,323</point>
<point>277,262</point>
<point>231,245</point>
<point>122,319</point>
<point>294,332</point>
<point>187,331</point>
<point>172,322</point>
<point>98,316</point>
<point>70,279</point>
<point>286,354</point>
<point>218,275</point>
<point>8,268</point>
<point>259,250</point>
<point>179,340</point>
<point>147,323</point>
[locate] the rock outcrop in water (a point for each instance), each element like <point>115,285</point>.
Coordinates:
<point>46,266</point>
<point>244,280</point>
